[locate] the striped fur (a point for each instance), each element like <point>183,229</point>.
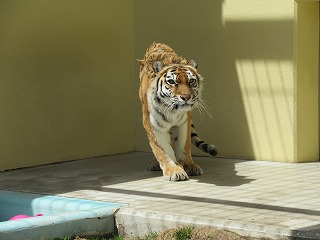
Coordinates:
<point>170,87</point>
<point>205,147</point>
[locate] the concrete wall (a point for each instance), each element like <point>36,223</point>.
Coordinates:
<point>65,80</point>
<point>246,51</point>
<point>64,63</point>
<point>306,80</point>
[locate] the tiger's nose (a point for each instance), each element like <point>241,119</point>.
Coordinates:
<point>185,97</point>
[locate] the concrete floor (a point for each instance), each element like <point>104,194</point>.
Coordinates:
<point>262,199</point>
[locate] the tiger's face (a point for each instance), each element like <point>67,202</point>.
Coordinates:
<point>178,86</point>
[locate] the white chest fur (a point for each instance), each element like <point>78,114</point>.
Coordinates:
<point>163,120</point>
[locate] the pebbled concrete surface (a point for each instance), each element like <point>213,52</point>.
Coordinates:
<point>255,198</point>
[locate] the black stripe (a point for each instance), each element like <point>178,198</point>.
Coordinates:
<point>158,80</point>
<point>164,118</point>
<point>199,143</point>
<point>159,124</point>
<point>159,88</point>
<point>205,147</point>
<point>158,100</point>
<point>160,83</point>
<point>169,93</point>
<point>194,135</point>
<point>192,125</point>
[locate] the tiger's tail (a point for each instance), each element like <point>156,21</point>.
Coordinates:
<point>205,147</point>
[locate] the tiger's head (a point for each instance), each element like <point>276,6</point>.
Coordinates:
<point>177,86</point>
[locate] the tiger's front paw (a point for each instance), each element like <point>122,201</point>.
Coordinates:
<point>193,169</point>
<point>175,173</point>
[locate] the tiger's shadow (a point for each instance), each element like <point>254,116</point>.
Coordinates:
<point>221,172</point>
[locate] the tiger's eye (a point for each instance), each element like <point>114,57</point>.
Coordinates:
<point>192,81</point>
<point>171,82</point>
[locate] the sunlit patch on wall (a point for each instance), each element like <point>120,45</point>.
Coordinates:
<point>267,92</point>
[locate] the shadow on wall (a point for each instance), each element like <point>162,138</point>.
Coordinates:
<point>61,69</point>
<point>263,62</point>
<point>246,66</point>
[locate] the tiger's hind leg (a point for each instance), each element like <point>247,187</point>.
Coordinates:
<point>154,166</point>
<point>189,166</point>
<point>192,169</point>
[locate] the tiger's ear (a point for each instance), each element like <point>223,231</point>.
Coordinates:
<point>193,63</point>
<point>157,66</point>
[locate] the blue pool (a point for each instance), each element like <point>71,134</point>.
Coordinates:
<point>61,216</point>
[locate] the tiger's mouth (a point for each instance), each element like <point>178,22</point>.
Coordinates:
<point>173,104</point>
<point>189,102</point>
<point>181,105</point>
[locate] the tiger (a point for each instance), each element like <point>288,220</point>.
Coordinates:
<point>170,87</point>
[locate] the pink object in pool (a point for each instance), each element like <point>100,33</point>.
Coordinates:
<point>17,217</point>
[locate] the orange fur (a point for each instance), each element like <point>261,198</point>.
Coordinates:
<point>179,168</point>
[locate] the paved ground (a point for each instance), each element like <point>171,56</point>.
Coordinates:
<point>264,199</point>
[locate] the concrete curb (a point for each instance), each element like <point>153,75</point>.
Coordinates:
<point>138,223</point>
